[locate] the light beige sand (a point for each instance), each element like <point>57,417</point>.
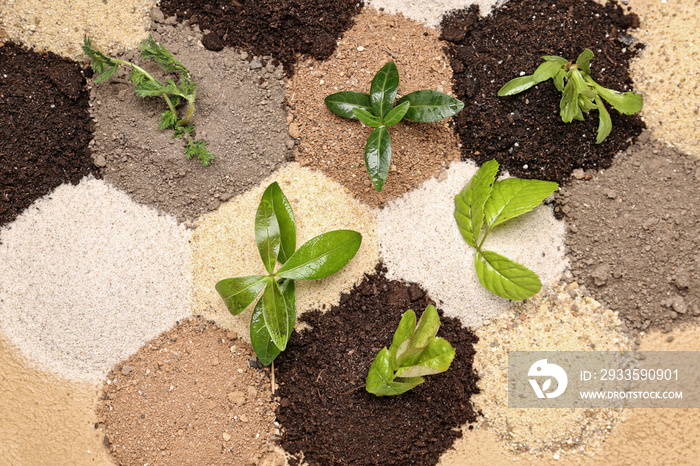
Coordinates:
<point>430,12</point>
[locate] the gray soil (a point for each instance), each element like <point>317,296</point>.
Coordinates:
<point>239,110</point>
<point>634,235</point>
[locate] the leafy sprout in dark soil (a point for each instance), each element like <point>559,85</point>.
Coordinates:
<point>377,111</point>
<point>485,202</point>
<point>580,93</point>
<point>274,314</point>
<point>147,86</point>
<point>414,352</point>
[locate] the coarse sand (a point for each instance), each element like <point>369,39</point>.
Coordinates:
<point>336,145</point>
<point>224,243</point>
<point>430,12</point>
<point>87,276</point>
<point>666,71</point>
<point>420,242</point>
<point>45,420</point>
<point>60,28</point>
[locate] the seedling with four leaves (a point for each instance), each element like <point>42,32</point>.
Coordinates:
<point>377,111</point>
<point>486,203</point>
<point>414,352</point>
<point>580,93</point>
<point>148,86</point>
<point>273,295</point>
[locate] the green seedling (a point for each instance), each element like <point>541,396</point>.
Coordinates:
<point>414,352</point>
<point>377,111</point>
<point>483,205</point>
<point>148,86</point>
<point>580,93</point>
<point>273,295</point>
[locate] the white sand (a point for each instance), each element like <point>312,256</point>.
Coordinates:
<point>87,276</point>
<point>430,12</point>
<point>420,242</point>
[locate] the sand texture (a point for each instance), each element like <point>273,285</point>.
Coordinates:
<point>430,12</point>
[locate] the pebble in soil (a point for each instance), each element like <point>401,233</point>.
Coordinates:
<point>336,145</point>
<point>283,29</point>
<point>525,132</point>
<point>239,112</point>
<point>224,243</point>
<point>558,319</point>
<point>45,127</point>
<point>420,242</point>
<point>634,233</point>
<point>190,393</point>
<point>325,411</point>
<point>87,276</point>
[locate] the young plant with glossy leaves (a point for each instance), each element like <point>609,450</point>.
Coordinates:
<point>580,93</point>
<point>377,110</point>
<point>415,351</point>
<point>273,295</point>
<point>148,86</point>
<point>483,205</point>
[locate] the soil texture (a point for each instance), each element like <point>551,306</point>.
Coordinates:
<point>192,393</point>
<point>282,29</point>
<point>239,111</point>
<point>45,127</point>
<point>335,145</point>
<point>525,132</point>
<point>632,241</point>
<point>327,416</point>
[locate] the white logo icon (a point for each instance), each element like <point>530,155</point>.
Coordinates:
<point>543,369</point>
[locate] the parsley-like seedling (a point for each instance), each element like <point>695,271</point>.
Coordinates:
<point>414,352</point>
<point>580,93</point>
<point>274,314</point>
<point>377,110</point>
<point>486,203</point>
<point>148,86</point>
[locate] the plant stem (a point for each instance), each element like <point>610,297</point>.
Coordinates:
<point>148,75</point>
<point>190,113</point>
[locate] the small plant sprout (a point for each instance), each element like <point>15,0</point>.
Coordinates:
<point>147,86</point>
<point>377,110</point>
<point>414,352</point>
<point>579,92</point>
<point>486,203</point>
<point>273,295</point>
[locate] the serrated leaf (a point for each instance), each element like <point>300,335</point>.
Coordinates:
<point>260,338</point>
<point>285,219</point>
<point>403,333</point>
<point>505,278</point>
<point>322,255</point>
<point>238,293</point>
<point>568,103</point>
<point>584,59</point>
<point>267,234</point>
<point>107,73</point>
<point>276,314</point>
<point>167,120</point>
<point>342,103</point>
<point>150,49</point>
<point>383,89</point>
<point>469,203</point>
<point>430,106</point>
<point>513,197</point>
<point>435,357</point>
<point>367,118</point>
<point>378,157</point>
<point>517,85</point>
<point>198,149</point>
<point>396,114</point>
<point>604,121</point>
<point>627,103</point>
<point>380,379</point>
<point>546,70</point>
<point>150,89</point>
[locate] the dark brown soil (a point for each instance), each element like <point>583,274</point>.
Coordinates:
<point>45,127</point>
<point>524,132</point>
<point>325,412</point>
<point>278,28</point>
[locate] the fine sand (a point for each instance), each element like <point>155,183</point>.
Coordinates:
<point>430,12</point>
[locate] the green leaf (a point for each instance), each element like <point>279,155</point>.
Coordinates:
<point>585,104</point>
<point>238,293</point>
<point>604,121</point>
<point>430,106</point>
<point>167,120</point>
<point>469,204</point>
<point>569,102</point>
<point>505,278</point>
<point>517,85</point>
<point>285,218</point>
<point>380,379</point>
<point>559,80</point>
<point>554,58</point>
<point>403,333</point>
<point>151,88</point>
<point>267,234</point>
<point>107,73</point>
<point>583,61</point>
<point>342,103</point>
<point>434,358</point>
<point>378,157</point>
<point>276,314</point>
<point>580,85</point>
<point>383,89</point>
<point>367,118</point>
<point>198,149</point>
<point>260,338</point>
<point>322,255</point>
<point>396,114</point>
<point>427,327</point>
<point>513,197</point>
<point>150,49</point>
<point>627,103</point>
<point>546,70</point>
